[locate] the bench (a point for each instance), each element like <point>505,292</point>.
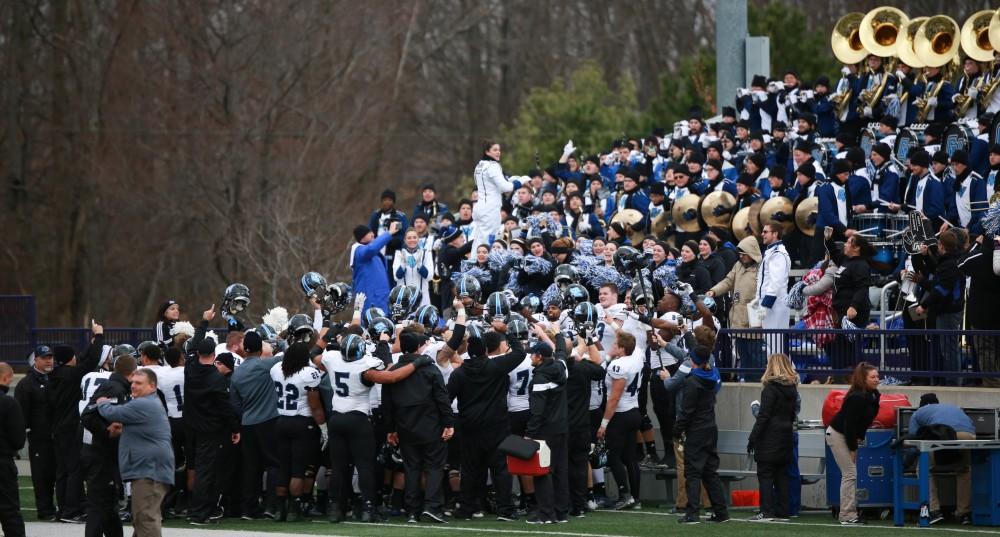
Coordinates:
<point>812,445</point>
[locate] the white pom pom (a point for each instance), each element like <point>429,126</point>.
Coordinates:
<point>276,318</point>
<point>213,336</point>
<point>182,327</point>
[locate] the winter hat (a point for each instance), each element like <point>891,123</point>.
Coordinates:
<point>960,156</point>
<point>618,227</point>
<point>700,354</point>
<point>808,170</point>
<point>388,194</point>
<point>780,126</point>
<point>252,342</point>
<point>697,155</point>
<point>804,145</point>
<point>428,186</point>
<point>883,150</point>
<point>360,232</point>
<point>778,170</point>
<point>227,359</point>
<point>920,158</point>
<point>63,354</point>
<point>657,188</point>
<point>995,149</point>
<point>822,80</point>
<point>934,129</point>
<point>758,81</point>
<point>757,135</point>
<point>929,399</point>
<point>841,166</point>
<point>856,156</point>
<point>758,160</point>
<point>940,157</point>
<point>846,138</point>
<point>715,163</point>
<point>728,111</point>
<point>890,121</point>
<point>541,348</point>
<point>163,308</point>
<point>450,233</point>
<point>745,179</point>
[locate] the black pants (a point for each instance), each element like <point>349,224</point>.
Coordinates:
<point>42,456</point>
<point>256,448</point>
<point>622,456</point>
<point>101,475</point>
<point>209,466</point>
<point>351,441</point>
<point>479,454</point>
<point>665,408</point>
<point>773,479</point>
<point>424,460</point>
<point>552,489</point>
<point>10,500</point>
<point>69,475</point>
<point>701,467</point>
<point>578,457</point>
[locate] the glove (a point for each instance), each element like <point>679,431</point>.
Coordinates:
<point>742,92</point>
<point>400,272</point>
<point>867,111</point>
<point>760,95</point>
<point>422,360</point>
<point>324,437</point>
<point>846,71</point>
<point>422,271</point>
<point>973,92</point>
<point>568,149</point>
<point>644,319</point>
<point>779,216</point>
<point>720,210</point>
<point>932,102</point>
<point>685,289</point>
<point>359,301</point>
<point>750,448</point>
<point>690,214</point>
<point>899,74</point>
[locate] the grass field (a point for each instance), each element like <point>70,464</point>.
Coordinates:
<point>648,522</point>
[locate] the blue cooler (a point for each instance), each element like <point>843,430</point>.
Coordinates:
<point>985,488</point>
<point>875,481</point>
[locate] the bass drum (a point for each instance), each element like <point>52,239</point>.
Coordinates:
<point>957,136</point>
<point>907,141</point>
<point>824,151</point>
<point>869,137</point>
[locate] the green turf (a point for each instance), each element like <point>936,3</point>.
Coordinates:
<point>650,521</point>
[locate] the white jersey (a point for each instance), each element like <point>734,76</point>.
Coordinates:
<point>170,381</point>
<point>517,391</point>
<point>628,368</point>
<point>351,393</point>
<point>597,391</point>
<point>293,392</point>
<point>89,384</point>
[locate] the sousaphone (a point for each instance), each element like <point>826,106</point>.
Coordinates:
<point>805,215</point>
<point>627,218</point>
<point>778,211</point>
<point>720,202</point>
<point>685,213</point>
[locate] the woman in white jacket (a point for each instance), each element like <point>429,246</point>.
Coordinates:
<point>491,185</point>
<point>772,286</point>
<point>413,265</point>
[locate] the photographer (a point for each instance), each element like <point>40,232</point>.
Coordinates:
<point>944,296</point>
<point>381,222</point>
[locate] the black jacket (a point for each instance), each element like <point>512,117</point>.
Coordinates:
<point>118,389</point>
<point>207,408</point>
<point>32,394</point>
<point>984,286</point>
<point>65,391</point>
<point>578,393</point>
<point>417,408</point>
<point>698,406</point>
<point>695,273</point>
<point>716,267</point>
<point>547,404</point>
<point>851,286</point>
<point>11,425</point>
<point>944,291</point>
<point>481,388</point>
<point>536,282</point>
<point>771,437</point>
<point>855,416</point>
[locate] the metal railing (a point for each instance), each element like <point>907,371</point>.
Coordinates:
<point>918,356</point>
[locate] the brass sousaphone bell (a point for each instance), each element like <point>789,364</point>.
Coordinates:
<point>846,40</point>
<point>936,42</point>
<point>627,218</point>
<point>880,30</point>
<point>778,211</point>
<point>975,36</point>
<point>722,200</point>
<point>685,213</point>
<point>805,215</point>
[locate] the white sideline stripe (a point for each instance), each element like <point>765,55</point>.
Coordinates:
<point>823,525</point>
<point>446,527</point>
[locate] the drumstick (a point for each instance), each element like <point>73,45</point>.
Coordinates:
<point>900,232</point>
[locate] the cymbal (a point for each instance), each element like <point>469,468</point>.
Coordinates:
<point>627,218</point>
<point>661,224</point>
<point>741,224</point>
<point>805,215</point>
<point>685,213</point>
<point>723,200</point>
<point>778,210</point>
<point>754,219</point>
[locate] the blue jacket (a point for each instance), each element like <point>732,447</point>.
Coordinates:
<point>562,172</point>
<point>943,113</point>
<point>941,414</point>
<point>826,120</point>
<point>369,272</point>
<point>827,214</point>
<point>727,186</point>
<point>977,199</point>
<point>888,186</point>
<point>144,451</point>
<point>979,156</point>
<point>933,198</point>
<point>636,200</point>
<point>860,191</point>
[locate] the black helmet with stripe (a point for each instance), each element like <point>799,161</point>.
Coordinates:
<point>497,307</point>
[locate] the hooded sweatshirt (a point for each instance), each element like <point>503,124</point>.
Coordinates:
<point>741,281</point>
<point>698,408</point>
<point>480,386</point>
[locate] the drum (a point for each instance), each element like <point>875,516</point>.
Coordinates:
<point>906,141</point>
<point>869,137</point>
<point>957,136</point>
<point>995,129</point>
<point>895,225</point>
<point>824,150</point>
<point>886,254</point>
<point>869,225</point>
